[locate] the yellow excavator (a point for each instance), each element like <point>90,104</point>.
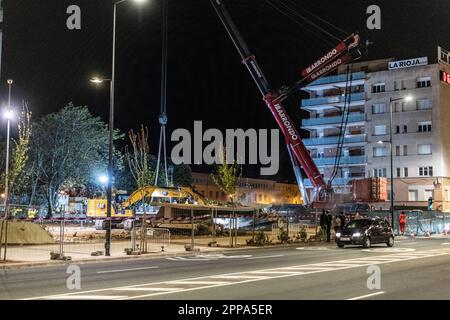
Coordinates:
<point>96,208</point>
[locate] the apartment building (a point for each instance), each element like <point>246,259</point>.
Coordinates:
<point>253,191</point>
<point>420,102</point>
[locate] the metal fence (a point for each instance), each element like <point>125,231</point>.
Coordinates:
<point>29,241</point>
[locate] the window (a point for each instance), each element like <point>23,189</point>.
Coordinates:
<point>381,172</point>
<point>423,82</point>
<point>405,150</point>
<point>405,128</point>
<point>398,172</point>
<point>425,171</point>
<point>378,87</point>
<point>398,85</point>
<point>378,108</point>
<point>397,150</point>
<point>424,126</point>
<point>397,129</point>
<point>379,151</point>
<point>423,104</point>
<point>412,195</point>
<point>424,149</point>
<point>379,130</point>
<point>428,194</point>
<point>405,172</point>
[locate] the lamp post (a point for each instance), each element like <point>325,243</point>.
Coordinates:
<point>391,105</point>
<point>111,128</point>
<point>8,115</point>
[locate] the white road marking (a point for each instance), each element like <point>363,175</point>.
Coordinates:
<point>389,250</point>
<point>276,272</point>
<point>367,295</point>
<point>263,257</point>
<point>86,297</point>
<point>209,257</point>
<point>126,270</point>
<point>148,289</point>
<point>197,282</point>
<point>242,277</point>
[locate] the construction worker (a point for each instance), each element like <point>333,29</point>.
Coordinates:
<point>402,222</point>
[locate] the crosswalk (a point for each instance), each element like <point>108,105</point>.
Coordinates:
<point>149,290</point>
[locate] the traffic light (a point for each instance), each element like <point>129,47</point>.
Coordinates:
<point>430,203</point>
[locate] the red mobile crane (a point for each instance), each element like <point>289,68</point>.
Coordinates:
<point>345,52</point>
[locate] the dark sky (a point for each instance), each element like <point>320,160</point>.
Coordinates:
<point>206,81</point>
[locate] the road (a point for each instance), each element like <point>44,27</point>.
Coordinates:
<point>412,269</point>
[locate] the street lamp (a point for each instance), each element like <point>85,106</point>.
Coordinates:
<point>391,104</point>
<point>111,126</point>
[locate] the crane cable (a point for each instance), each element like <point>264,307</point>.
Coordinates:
<point>318,18</point>
<point>307,20</point>
<point>343,127</point>
<point>328,42</point>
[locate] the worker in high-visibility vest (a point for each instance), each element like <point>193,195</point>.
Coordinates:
<point>402,222</point>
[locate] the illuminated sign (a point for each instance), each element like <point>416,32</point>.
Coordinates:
<point>445,77</point>
<point>408,63</point>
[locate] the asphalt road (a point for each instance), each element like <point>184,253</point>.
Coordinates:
<point>412,269</point>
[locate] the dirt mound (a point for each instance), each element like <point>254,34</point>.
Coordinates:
<point>22,232</point>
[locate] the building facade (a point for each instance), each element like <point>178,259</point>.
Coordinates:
<point>420,102</point>
<point>252,191</point>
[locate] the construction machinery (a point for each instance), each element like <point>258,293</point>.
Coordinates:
<point>345,52</point>
<point>133,206</point>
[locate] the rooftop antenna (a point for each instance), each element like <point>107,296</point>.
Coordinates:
<point>163,115</point>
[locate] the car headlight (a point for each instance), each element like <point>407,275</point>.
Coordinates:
<point>338,234</point>
<point>357,235</point>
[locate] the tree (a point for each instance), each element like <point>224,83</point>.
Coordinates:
<point>16,176</point>
<point>68,148</point>
<point>139,163</point>
<point>227,176</point>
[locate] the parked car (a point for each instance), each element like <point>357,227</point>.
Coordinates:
<point>365,232</point>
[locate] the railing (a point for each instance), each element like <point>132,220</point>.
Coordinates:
<point>332,100</point>
<point>336,182</point>
<point>338,78</point>
<point>333,120</point>
<point>343,161</point>
<point>333,140</point>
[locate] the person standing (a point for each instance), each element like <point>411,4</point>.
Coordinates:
<point>342,218</point>
<point>328,221</point>
<point>336,223</point>
<point>323,224</point>
<point>402,222</point>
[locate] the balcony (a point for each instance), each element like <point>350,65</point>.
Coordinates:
<point>339,80</point>
<point>334,141</point>
<point>334,101</point>
<point>345,161</point>
<point>336,182</point>
<point>358,118</point>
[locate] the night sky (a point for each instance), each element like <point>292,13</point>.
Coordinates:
<point>206,81</point>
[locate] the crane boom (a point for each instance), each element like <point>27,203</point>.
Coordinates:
<point>339,55</point>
